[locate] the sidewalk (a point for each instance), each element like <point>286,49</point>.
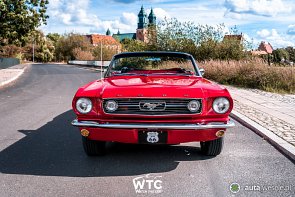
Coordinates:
<point>10,74</point>
<point>272,111</point>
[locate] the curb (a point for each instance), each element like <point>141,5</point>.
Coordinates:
<point>285,147</point>
<point>14,78</point>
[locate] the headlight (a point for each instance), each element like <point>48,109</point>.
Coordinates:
<point>221,105</point>
<point>194,106</point>
<point>111,106</point>
<point>84,105</point>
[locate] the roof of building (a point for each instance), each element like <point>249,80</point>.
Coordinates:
<point>104,39</point>
<point>121,37</point>
<point>142,12</point>
<point>238,37</point>
<point>152,14</point>
<point>265,47</point>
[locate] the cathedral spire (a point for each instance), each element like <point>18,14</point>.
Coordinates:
<point>152,18</point>
<point>108,33</point>
<point>142,19</point>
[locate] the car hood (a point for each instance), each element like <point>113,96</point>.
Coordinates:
<point>156,87</point>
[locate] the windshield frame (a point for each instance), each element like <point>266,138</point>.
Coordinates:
<point>154,54</point>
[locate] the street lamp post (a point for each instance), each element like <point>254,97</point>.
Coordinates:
<point>33,50</point>
<point>101,71</point>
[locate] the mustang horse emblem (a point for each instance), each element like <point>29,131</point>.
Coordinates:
<point>151,106</point>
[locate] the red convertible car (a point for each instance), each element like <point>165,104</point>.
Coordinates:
<point>152,98</point>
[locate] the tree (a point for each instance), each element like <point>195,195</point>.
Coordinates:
<point>133,45</point>
<point>280,55</point>
<point>204,42</point>
<point>19,19</point>
<point>107,52</point>
<point>54,38</point>
<point>43,47</point>
<point>82,55</point>
<point>171,31</point>
<point>291,52</point>
<point>66,44</point>
<point>10,51</point>
<point>230,49</point>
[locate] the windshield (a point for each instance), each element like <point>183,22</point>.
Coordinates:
<point>151,65</point>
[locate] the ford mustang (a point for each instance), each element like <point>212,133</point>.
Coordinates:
<point>152,98</point>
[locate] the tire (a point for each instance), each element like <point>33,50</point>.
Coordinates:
<point>93,148</point>
<point>212,148</point>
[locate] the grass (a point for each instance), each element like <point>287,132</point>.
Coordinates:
<point>253,73</point>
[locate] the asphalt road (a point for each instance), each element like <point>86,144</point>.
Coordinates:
<point>41,153</point>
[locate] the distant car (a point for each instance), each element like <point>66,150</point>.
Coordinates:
<point>152,98</point>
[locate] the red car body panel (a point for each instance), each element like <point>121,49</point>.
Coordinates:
<point>152,87</point>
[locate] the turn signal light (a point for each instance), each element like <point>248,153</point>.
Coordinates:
<point>220,133</point>
<point>84,132</point>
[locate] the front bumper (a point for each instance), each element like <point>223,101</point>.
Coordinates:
<point>129,133</point>
<point>212,125</point>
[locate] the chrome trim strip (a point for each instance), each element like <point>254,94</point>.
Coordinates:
<point>213,125</point>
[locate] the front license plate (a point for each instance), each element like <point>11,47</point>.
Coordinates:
<point>152,137</point>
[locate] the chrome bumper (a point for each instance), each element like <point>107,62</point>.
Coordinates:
<point>213,125</point>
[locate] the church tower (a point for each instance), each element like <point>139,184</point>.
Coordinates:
<point>146,27</point>
<point>142,25</point>
<point>152,28</point>
<point>152,18</point>
<point>142,19</point>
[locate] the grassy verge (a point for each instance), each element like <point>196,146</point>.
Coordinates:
<point>251,74</point>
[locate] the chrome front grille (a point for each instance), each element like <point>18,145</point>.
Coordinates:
<point>145,106</point>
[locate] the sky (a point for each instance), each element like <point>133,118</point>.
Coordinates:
<point>272,21</point>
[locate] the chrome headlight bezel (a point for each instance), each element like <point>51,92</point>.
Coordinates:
<point>111,106</point>
<point>221,105</point>
<point>84,105</point>
<point>194,106</point>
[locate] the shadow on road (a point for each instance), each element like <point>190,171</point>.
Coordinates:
<point>55,149</point>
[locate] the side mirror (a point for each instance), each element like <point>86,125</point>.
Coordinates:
<point>202,71</point>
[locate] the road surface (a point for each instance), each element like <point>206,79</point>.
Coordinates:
<point>41,153</point>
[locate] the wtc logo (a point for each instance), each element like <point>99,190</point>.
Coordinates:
<point>148,184</point>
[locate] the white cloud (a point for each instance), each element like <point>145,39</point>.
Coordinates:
<point>128,18</point>
<point>291,30</point>
<point>71,12</point>
<point>75,14</point>
<point>161,13</point>
<point>275,38</point>
<point>257,7</point>
<point>263,33</point>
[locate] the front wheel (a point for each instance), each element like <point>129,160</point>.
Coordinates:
<point>212,148</point>
<point>92,147</point>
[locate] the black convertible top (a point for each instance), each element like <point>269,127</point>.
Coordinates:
<point>153,53</point>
